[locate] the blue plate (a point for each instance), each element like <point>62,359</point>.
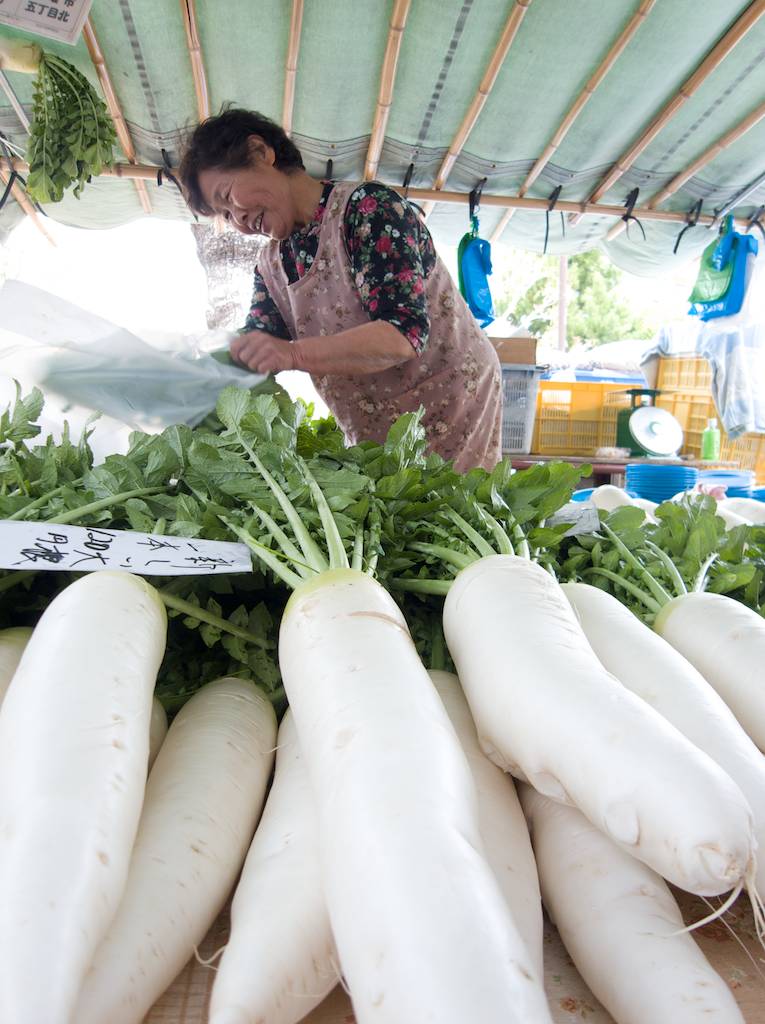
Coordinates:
<point>738,483</point>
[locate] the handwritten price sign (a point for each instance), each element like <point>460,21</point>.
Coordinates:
<point>49,546</point>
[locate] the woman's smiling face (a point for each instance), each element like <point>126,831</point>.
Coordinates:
<point>257,199</point>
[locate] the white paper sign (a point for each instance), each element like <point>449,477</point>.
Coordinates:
<point>57,19</point>
<point>582,515</point>
<point>52,547</point>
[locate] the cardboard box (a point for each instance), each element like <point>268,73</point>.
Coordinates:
<point>520,350</point>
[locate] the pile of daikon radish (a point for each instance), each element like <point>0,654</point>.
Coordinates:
<point>393,849</point>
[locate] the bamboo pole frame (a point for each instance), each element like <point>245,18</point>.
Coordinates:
<point>509,32</point>
<point>636,20</point>
<point>710,63</point>
<point>387,80</point>
<point>115,110</point>
<point>291,64</point>
<point>194,46</point>
<point>724,142</point>
<point>21,198</point>
<point>149,172</point>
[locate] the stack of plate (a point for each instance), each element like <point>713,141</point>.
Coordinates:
<point>659,483</point>
<point>738,483</point>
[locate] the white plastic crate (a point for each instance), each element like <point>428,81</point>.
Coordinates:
<point>519,403</point>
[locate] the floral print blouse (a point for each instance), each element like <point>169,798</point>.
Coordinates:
<point>391,255</point>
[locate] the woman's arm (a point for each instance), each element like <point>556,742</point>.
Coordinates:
<point>390,254</point>
<point>369,348</point>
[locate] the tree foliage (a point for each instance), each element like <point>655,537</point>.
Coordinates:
<point>596,314</point>
<point>527,295</point>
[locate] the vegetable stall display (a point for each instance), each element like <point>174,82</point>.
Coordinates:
<point>413,873</point>
<point>74,750</point>
<point>621,924</point>
<point>279,916</point>
<point>693,826</point>
<point>203,799</point>
<point>653,670</point>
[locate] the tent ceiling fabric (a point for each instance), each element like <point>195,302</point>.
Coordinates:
<point>446,48</point>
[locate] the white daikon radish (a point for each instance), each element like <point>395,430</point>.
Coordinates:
<point>725,641</point>
<point>731,519</point>
<point>546,708</point>
<point>203,799</point>
<point>421,926</point>
<point>619,923</point>
<point>74,746</point>
<point>607,497</point>
<point>12,644</point>
<point>501,821</point>
<point>280,960</point>
<point>649,507</point>
<point>656,672</point>
<point>747,508</point>
<point>19,55</point>
<point>157,729</point>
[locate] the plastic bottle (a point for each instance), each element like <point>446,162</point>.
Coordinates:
<point>710,441</point>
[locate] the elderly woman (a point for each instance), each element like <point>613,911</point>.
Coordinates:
<point>348,288</point>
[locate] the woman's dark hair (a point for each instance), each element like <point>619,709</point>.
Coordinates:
<point>223,141</point>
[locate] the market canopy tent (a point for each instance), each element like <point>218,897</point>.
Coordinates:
<point>549,100</point>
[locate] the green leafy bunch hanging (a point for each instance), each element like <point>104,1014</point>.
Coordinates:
<point>71,135</point>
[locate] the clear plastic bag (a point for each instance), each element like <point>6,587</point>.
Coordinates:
<point>147,383</point>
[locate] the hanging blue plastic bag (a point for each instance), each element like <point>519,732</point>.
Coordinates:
<point>737,252</point>
<point>476,268</point>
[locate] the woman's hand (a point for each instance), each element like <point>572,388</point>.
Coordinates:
<point>368,348</point>
<point>263,353</point>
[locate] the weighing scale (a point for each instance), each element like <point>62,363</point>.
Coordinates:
<point>646,430</point>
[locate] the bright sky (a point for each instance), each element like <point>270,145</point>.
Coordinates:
<point>143,276</point>
<point>146,274</point>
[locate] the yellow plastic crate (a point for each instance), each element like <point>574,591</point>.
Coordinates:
<point>576,418</point>
<point>693,409</point>
<point>614,400</point>
<point>684,373</point>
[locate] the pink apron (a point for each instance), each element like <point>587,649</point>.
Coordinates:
<point>457,378</point>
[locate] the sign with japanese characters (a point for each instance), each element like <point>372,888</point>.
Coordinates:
<point>57,19</point>
<point>50,546</point>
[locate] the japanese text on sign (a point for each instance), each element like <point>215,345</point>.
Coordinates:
<point>57,19</point>
<point>50,546</point>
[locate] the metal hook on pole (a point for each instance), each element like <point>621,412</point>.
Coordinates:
<point>691,220</point>
<point>474,202</point>
<point>628,215</point>
<point>551,204</point>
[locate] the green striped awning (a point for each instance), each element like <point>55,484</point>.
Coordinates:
<point>694,71</point>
